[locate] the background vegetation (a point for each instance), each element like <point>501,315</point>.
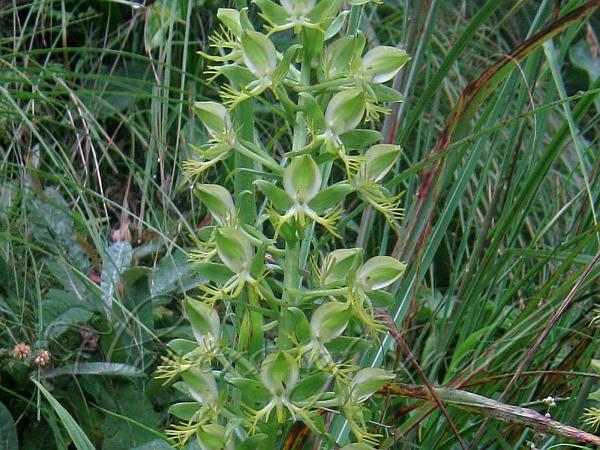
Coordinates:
<point>501,173</point>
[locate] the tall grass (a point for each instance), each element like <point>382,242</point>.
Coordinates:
<point>501,181</point>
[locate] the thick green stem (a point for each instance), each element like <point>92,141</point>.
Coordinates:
<point>291,278</point>
<point>291,265</point>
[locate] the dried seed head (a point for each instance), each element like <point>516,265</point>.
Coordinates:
<point>21,351</point>
<point>42,358</point>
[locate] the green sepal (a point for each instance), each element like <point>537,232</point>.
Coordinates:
<point>330,320</point>
<point>339,266</point>
<point>302,179</point>
<point>230,18</point>
<point>309,386</point>
<point>245,21</point>
<point>259,53</point>
<point>368,381</point>
<point>345,111</point>
<point>325,12</point>
<point>203,318</point>
<point>330,197</point>
<point>279,372</point>
<point>272,12</point>
<point>277,196</point>
<point>218,201</point>
<point>379,160</point>
<point>201,384</point>
<point>234,249</point>
<point>379,272</point>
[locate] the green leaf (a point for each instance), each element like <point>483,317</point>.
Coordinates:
<point>360,139</point>
<point>313,114</point>
<point>77,435</point>
<point>215,272</point>
<point>9,440</point>
<point>277,196</point>
<point>253,442</point>
<point>214,116</point>
<point>284,65</point>
<point>116,259</point>
<point>386,94</point>
<point>330,197</point>
<point>184,410</point>
<point>309,386</point>
<point>346,345</point>
<point>62,310</point>
<point>381,299</point>
<point>95,368</point>
<point>175,274</point>
<point>252,390</point>
<point>182,346</point>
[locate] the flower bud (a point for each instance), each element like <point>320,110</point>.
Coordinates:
<point>258,53</point>
<point>302,178</point>
<point>234,249</point>
<point>329,321</point>
<point>368,381</point>
<point>204,320</point>
<point>202,385</point>
<point>231,19</point>
<point>214,117</point>
<point>381,64</point>
<point>279,372</point>
<point>345,111</point>
<point>218,201</point>
<point>379,272</point>
<point>338,264</point>
<point>379,160</point>
<point>211,437</point>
